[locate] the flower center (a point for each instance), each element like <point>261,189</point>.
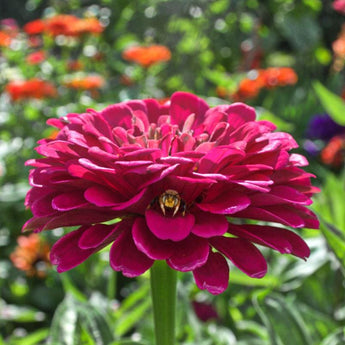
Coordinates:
<point>170,202</point>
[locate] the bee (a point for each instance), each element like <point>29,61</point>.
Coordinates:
<point>171,199</point>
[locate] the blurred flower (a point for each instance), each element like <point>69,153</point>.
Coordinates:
<point>33,88</point>
<point>339,6</point>
<point>87,25</point>
<point>323,127</point>
<point>34,27</point>
<point>61,24</point>
<point>126,80</point>
<point>90,82</point>
<point>10,26</point>
<point>159,182</point>
<point>339,50</point>
<point>147,56</point>
<point>334,152</point>
<point>5,39</point>
<point>264,78</point>
<point>205,311</point>
<point>36,58</point>
<point>74,65</point>
<point>279,76</point>
<point>31,255</point>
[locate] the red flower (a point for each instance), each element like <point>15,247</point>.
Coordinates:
<point>147,56</point>
<point>31,255</point>
<point>36,58</point>
<point>34,27</point>
<point>33,88</point>
<point>279,76</point>
<point>181,179</point>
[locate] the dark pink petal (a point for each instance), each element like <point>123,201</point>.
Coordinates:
<point>69,201</point>
<point>209,224</point>
<point>43,207</point>
<point>174,228</point>
<point>124,256</point>
<point>284,214</point>
<point>213,276</point>
<point>239,113</point>
<point>183,104</point>
<point>118,115</point>
<point>149,244</point>
<point>189,254</point>
<point>242,254</point>
<point>66,254</point>
<point>102,196</point>
<point>100,234</point>
<point>225,203</point>
<point>280,239</point>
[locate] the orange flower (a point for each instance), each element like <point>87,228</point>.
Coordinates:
<point>61,24</point>
<point>249,87</point>
<point>87,25</point>
<point>31,255</point>
<point>36,58</point>
<point>279,76</point>
<point>90,82</point>
<point>34,27</point>
<point>147,56</point>
<point>74,65</point>
<point>334,152</point>
<point>5,39</point>
<point>33,88</point>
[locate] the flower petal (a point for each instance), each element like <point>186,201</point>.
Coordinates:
<point>243,254</point>
<point>280,239</point>
<point>213,276</point>
<point>66,253</point>
<point>189,254</point>
<point>209,224</point>
<point>124,256</point>
<point>169,228</point>
<point>149,244</point>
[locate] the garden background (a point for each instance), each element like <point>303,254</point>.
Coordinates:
<point>283,57</point>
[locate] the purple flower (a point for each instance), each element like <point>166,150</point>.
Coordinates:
<point>323,127</point>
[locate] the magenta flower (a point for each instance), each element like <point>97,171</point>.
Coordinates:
<point>182,178</point>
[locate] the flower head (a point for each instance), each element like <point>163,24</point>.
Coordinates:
<point>35,27</point>
<point>339,6</point>
<point>31,255</point>
<point>33,88</point>
<point>333,153</point>
<point>36,58</point>
<point>179,179</point>
<point>323,127</point>
<point>147,56</point>
<point>89,82</point>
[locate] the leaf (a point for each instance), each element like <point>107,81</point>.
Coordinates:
<point>282,318</point>
<point>31,339</point>
<point>333,104</point>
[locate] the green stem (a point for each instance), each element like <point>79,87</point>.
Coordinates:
<point>163,292</point>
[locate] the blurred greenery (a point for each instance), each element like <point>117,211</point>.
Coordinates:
<point>214,45</point>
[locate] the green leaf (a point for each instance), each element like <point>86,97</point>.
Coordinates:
<point>333,104</point>
<point>31,339</point>
<point>282,318</point>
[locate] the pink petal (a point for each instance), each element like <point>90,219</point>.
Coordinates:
<point>102,196</point>
<point>66,253</point>
<point>280,239</point>
<point>224,203</point>
<point>69,201</point>
<point>213,276</point>
<point>243,254</point>
<point>149,244</point>
<point>183,104</point>
<point>169,228</point>
<point>209,224</point>
<point>239,113</point>
<point>99,234</point>
<point>189,254</point>
<point>124,256</point>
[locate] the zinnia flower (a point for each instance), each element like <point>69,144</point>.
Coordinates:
<point>36,58</point>
<point>333,153</point>
<point>33,88</point>
<point>90,82</point>
<point>5,39</point>
<point>147,56</point>
<point>339,6</point>
<point>35,27</point>
<point>31,255</point>
<point>323,127</point>
<point>172,182</point>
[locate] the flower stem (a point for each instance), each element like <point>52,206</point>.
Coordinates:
<point>163,292</point>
